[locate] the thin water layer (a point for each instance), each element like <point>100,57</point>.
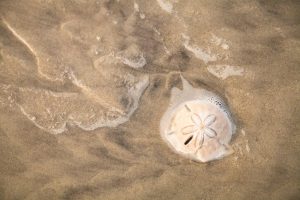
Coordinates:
<point>101,73</point>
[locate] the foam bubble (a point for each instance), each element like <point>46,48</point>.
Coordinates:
<point>165,5</point>
<point>55,110</point>
<point>204,55</point>
<point>225,71</point>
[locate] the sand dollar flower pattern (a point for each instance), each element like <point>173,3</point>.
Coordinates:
<point>199,129</point>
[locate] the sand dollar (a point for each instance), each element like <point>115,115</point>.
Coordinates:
<point>198,124</point>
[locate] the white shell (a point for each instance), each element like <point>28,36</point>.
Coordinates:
<point>198,124</point>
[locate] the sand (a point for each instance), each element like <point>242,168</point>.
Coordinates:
<point>84,84</point>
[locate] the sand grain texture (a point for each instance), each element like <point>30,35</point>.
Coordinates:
<point>83,85</point>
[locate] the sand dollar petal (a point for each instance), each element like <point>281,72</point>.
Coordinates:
<point>196,119</point>
<point>210,132</point>
<point>200,139</point>
<point>188,129</point>
<point>209,120</point>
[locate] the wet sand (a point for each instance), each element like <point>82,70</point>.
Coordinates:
<point>84,84</point>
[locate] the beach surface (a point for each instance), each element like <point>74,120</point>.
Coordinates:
<point>84,84</point>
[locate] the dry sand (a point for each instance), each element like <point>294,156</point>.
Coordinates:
<point>83,85</point>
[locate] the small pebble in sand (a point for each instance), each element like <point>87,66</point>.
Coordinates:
<point>142,16</point>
